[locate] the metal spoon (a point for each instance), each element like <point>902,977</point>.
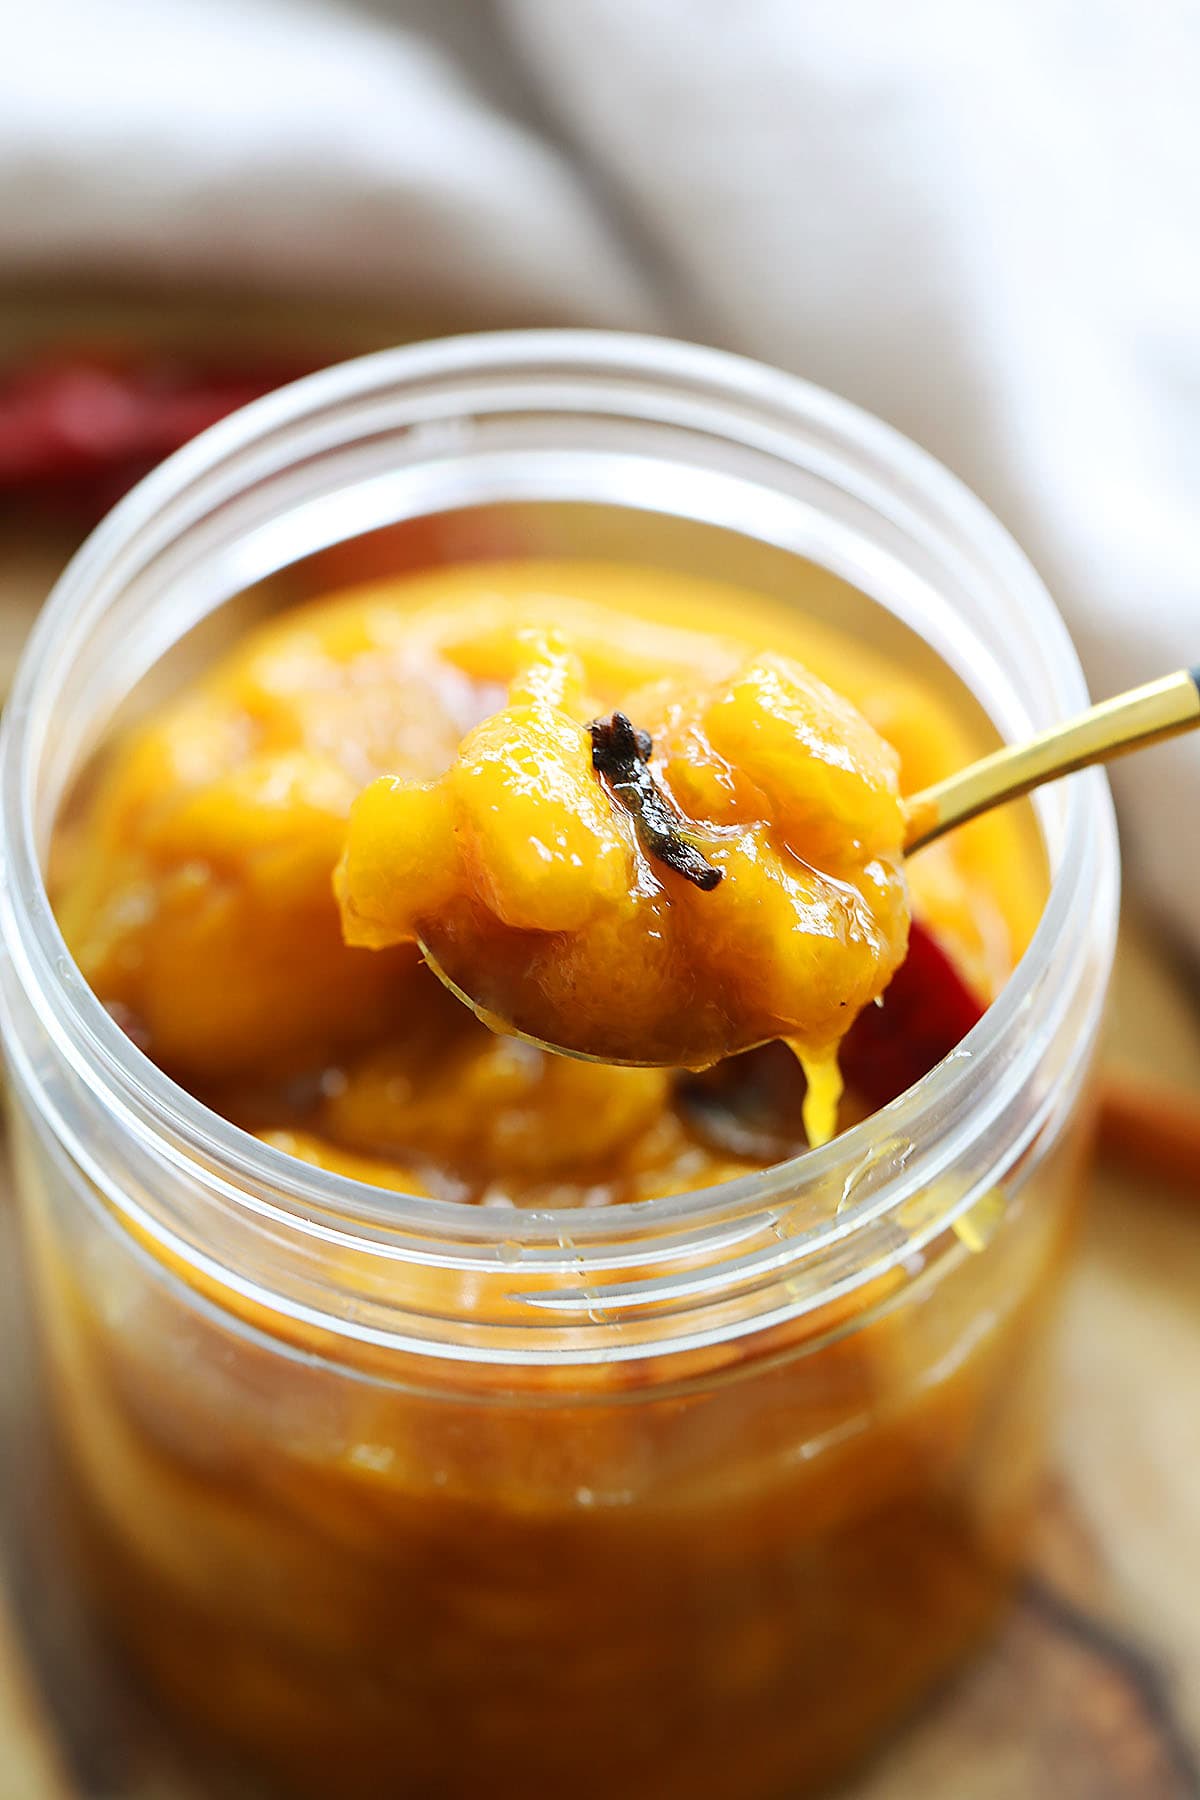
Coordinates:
<point>1145,715</point>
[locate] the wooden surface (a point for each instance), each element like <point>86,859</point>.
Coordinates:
<point>1091,1690</point>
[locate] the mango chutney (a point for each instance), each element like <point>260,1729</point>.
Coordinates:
<point>196,886</point>
<point>725,873</point>
<point>717,1574</point>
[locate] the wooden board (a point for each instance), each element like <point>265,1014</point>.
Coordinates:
<point>1091,1689</point>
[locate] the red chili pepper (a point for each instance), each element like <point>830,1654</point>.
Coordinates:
<point>927,1010</point>
<point>78,429</point>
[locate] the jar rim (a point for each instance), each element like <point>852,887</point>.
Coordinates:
<point>229,1164</point>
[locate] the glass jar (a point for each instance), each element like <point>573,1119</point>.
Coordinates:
<point>686,1498</point>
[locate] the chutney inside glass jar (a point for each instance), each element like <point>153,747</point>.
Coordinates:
<point>437,1412</point>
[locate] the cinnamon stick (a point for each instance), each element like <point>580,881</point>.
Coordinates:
<point>1151,1128</point>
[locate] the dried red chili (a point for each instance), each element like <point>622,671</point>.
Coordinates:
<point>925,1013</point>
<point>78,429</point>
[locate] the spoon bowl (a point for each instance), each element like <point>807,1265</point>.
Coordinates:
<point>1145,715</point>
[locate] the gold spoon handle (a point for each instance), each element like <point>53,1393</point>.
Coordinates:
<point>1145,715</point>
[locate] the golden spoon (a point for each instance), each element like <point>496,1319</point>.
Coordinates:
<point>1146,715</point>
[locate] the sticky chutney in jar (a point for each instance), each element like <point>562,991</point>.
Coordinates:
<point>716,1572</point>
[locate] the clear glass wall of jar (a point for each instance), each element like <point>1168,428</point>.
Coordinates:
<point>694,1497</point>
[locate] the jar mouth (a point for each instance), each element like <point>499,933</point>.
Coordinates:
<point>926,1127</point>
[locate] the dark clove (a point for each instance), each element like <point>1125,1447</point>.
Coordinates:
<point>621,754</point>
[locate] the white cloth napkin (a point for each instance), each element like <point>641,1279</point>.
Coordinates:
<point>980,222</point>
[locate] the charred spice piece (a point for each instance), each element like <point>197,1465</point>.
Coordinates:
<point>747,1106</point>
<point>620,754</point>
